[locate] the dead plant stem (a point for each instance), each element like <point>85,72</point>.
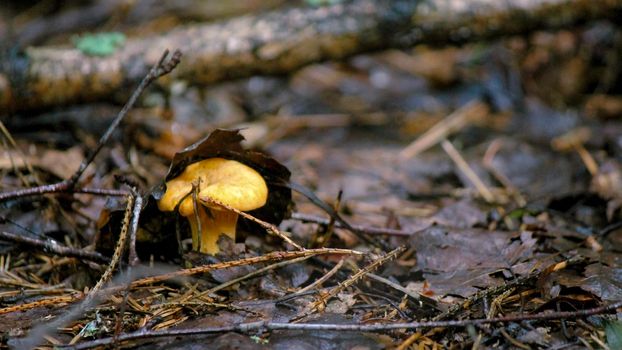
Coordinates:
<point>253,327</point>
<point>322,279</point>
<point>464,167</point>
<point>54,247</point>
<point>253,274</point>
<point>118,251</point>
<point>361,228</point>
<point>356,277</point>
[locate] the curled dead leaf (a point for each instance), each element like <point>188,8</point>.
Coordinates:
<point>157,229</point>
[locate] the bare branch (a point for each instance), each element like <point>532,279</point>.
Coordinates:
<point>54,247</point>
<point>381,327</point>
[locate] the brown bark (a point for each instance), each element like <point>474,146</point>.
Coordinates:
<point>280,42</point>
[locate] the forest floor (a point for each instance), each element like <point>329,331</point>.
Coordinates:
<point>481,182</point>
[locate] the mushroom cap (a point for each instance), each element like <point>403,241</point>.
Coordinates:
<point>227,181</point>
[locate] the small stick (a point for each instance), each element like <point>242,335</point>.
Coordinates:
<point>41,303</point>
<point>405,345</point>
<point>574,140</point>
<point>158,70</point>
<point>138,205</point>
<point>453,153</point>
<point>28,165</point>
<point>101,191</point>
<point>490,311</point>
<point>268,226</point>
<point>588,160</point>
<point>321,302</point>
<point>450,124</point>
<point>133,227</point>
<point>275,256</point>
<point>488,163</point>
<point>253,274</point>
<point>380,327</point>
<point>361,228</point>
<point>393,285</point>
<point>118,250</point>
<point>335,215</point>
<point>196,237</point>
<point>500,289</point>
<point>330,228</point>
<point>54,247</point>
<point>322,279</point>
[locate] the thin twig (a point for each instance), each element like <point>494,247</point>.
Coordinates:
<point>268,226</point>
<point>138,205</point>
<point>118,251</point>
<point>330,228</point>
<point>450,124</point>
<point>397,309</point>
<point>158,70</point>
<point>101,192</point>
<point>610,228</point>
<point>321,302</point>
<point>54,247</point>
<point>28,165</point>
<point>253,274</point>
<point>196,237</point>
<point>394,285</point>
<point>322,279</point>
<point>409,341</point>
<point>488,163</point>
<point>457,158</point>
<point>492,310</point>
<point>381,327</point>
<point>275,256</point>
<point>574,140</point>
<point>361,228</point>
<point>494,291</point>
<point>54,301</point>
<point>311,196</point>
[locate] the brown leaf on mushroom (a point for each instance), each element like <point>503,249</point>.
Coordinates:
<point>221,169</point>
<point>225,180</point>
<point>227,144</point>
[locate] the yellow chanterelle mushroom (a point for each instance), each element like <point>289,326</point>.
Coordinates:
<point>228,182</point>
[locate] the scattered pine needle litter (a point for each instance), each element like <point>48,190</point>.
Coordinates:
<point>270,257</point>
<point>498,226</point>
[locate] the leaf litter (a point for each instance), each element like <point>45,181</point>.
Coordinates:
<point>340,128</point>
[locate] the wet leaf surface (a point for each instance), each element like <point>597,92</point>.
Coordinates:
<point>603,281</point>
<point>459,261</point>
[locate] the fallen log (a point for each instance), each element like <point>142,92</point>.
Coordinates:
<point>280,42</point>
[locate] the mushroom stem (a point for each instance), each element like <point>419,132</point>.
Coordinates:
<point>220,222</point>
